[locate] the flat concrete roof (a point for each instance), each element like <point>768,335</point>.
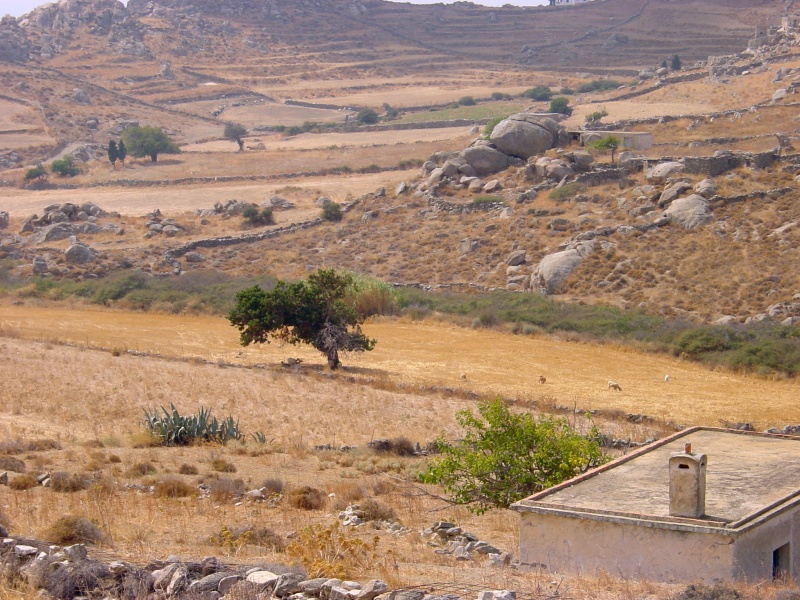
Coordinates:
<point>748,475</point>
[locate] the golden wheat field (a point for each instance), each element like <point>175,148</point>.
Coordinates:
<point>437,354</point>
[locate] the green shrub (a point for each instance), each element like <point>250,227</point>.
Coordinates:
<point>467,101</point>
<point>501,96</point>
<point>596,116</point>
<point>706,339</point>
<point>567,191</point>
<point>599,85</point>
<point>367,116</point>
<point>566,91</point>
<point>540,93</point>
<point>65,167</point>
<point>560,105</point>
<point>504,456</point>
<point>332,211</point>
<point>174,429</point>
<point>74,530</point>
<point>253,217</point>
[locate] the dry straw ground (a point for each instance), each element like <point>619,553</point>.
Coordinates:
<point>89,396</point>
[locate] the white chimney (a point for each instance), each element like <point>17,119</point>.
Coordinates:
<point>687,484</point>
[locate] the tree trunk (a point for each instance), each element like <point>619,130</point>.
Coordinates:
<point>241,145</point>
<point>154,157</point>
<point>333,359</point>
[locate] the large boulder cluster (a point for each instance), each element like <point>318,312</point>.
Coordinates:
<point>62,221</point>
<point>519,138</point>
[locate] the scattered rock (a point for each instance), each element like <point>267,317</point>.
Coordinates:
<point>690,212</point>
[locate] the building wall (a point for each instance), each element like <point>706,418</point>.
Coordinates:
<point>752,558</point>
<point>582,545</point>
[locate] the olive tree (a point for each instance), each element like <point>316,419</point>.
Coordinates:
<point>148,141</point>
<point>317,311</point>
<point>235,133</point>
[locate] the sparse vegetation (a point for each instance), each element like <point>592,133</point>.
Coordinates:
<point>37,173</point>
<point>609,143</point>
<point>595,117</point>
<point>174,487</point>
<point>567,191</point>
<point>333,552</point>
<point>489,127</point>
<point>467,101</point>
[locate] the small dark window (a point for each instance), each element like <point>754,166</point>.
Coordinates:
<point>682,466</point>
<point>781,562</point>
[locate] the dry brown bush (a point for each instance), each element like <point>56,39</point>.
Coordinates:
<point>187,469</point>
<point>306,498</point>
<point>273,485</point>
<point>225,489</point>
<point>61,481</point>
<point>73,529</point>
<point>23,482</point>
<point>174,487</point>
<point>141,469</point>
<point>376,511</point>
<point>9,463</point>
<point>223,466</point>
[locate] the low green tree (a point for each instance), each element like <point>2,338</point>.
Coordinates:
<point>122,152</point>
<point>467,101</point>
<point>315,312</point>
<point>37,173</point>
<point>148,141</point>
<point>560,105</point>
<point>367,116</point>
<point>607,144</point>
<point>235,133</point>
<point>65,167</point>
<point>504,456</point>
<point>113,153</point>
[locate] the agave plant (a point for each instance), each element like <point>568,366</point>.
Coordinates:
<point>174,429</point>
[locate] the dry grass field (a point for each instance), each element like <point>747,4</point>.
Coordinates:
<point>421,355</point>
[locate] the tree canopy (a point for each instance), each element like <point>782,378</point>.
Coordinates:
<point>113,153</point>
<point>148,141</point>
<point>609,143</point>
<point>235,133</point>
<point>504,456</point>
<point>367,116</point>
<point>316,312</point>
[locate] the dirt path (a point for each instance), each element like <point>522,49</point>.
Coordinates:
<point>429,354</point>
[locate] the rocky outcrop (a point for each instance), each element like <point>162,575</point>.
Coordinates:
<point>485,159</point>
<point>690,212</point>
<point>662,171</point>
<point>14,45</point>
<point>79,253</point>
<point>524,135</point>
<point>554,269</point>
